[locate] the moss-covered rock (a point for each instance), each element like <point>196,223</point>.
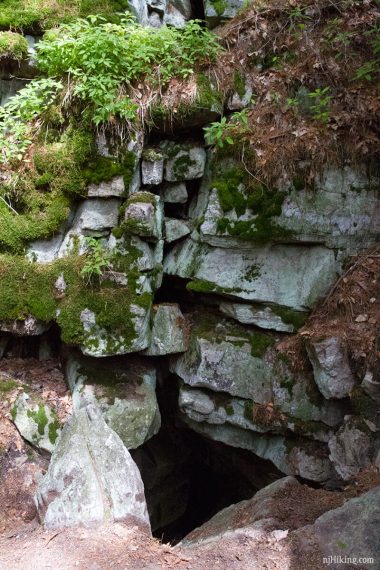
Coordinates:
<point>12,46</point>
<point>36,421</point>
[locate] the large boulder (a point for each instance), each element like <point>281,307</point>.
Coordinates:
<point>91,478</point>
<point>124,390</point>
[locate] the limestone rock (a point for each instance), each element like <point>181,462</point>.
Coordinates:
<point>173,17</point>
<point>97,215</point>
<point>225,358</point>
<point>351,448</point>
<point>152,167</point>
<point>185,162</point>
<point>175,193</point>
<point>100,342</point>
<point>175,229</point>
<point>218,12</point>
<point>36,422</point>
<point>263,317</point>
<point>144,215</point>
<point>292,276</point>
<point>259,513</point>
<point>331,367</point>
<point>140,10</point>
<point>124,390</point>
<point>45,250</point>
<point>350,531</point>
<point>113,188</point>
<point>170,333</point>
<point>184,6</point>
<point>91,479</point>
<point>30,326</point>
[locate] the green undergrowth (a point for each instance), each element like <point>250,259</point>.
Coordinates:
<point>36,15</point>
<point>27,288</point>
<point>13,46</point>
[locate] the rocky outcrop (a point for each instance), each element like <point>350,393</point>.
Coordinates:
<point>170,332</point>
<point>91,478</point>
<point>124,390</point>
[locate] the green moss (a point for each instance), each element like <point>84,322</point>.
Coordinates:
<point>287,384</point>
<point>152,155</point>
<point>290,316</point>
<point>13,46</point>
<point>7,385</point>
<point>363,405</point>
<point>219,6</point>
<point>54,427</point>
<point>239,84</point>
<point>103,169</point>
<point>260,343</point>
<point>44,14</point>
<point>40,418</point>
<point>28,289</point>
<point>142,197</point>
<point>248,410</point>
<point>204,286</point>
<point>181,166</point>
<point>13,413</point>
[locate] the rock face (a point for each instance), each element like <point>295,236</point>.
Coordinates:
<point>291,276</point>
<point>123,390</point>
<point>332,371</point>
<point>351,448</point>
<point>91,478</point>
<point>36,422</point>
<point>185,163</point>
<point>170,333</point>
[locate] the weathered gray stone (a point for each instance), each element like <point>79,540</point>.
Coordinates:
<point>100,342</point>
<point>152,170</point>
<point>139,9</point>
<point>97,215</point>
<point>351,448</point>
<point>220,358</point>
<point>239,101</point>
<point>185,162</point>
<point>262,317</point>
<point>371,386</point>
<point>113,188</point>
<point>184,6</point>
<point>123,389</point>
<point>293,276</point>
<point>307,459</point>
<point>173,17</point>
<point>91,479</point>
<point>144,215</point>
<point>343,211</point>
<point>331,367</point>
<point>260,513</point>
<point>349,532</point>
<point>175,193</point>
<point>36,422</point>
<point>175,229</point>
<point>155,20</point>
<point>139,253</point>
<point>218,12</point>
<point>45,251</point>
<point>30,326</point>
<point>170,333</point>
<point>218,409</point>
<point>157,5</point>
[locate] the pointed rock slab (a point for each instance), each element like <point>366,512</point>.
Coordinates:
<point>91,479</point>
<point>331,367</point>
<point>171,331</point>
<point>175,229</point>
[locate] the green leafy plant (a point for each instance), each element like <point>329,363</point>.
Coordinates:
<point>97,260</point>
<point>371,68</point>
<point>225,131</point>
<point>17,114</point>
<point>102,61</point>
<point>320,107</point>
